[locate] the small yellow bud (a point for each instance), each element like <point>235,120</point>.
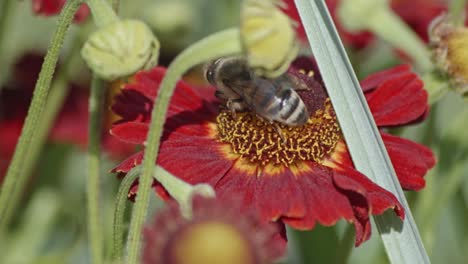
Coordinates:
<point>268,36</point>
<point>120,49</point>
<point>449,46</point>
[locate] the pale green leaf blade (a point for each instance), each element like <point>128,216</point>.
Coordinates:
<point>401,240</point>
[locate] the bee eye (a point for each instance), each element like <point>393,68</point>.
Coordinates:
<point>210,72</point>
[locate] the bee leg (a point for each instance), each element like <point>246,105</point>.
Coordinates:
<point>276,127</point>
<point>280,133</point>
<point>234,105</point>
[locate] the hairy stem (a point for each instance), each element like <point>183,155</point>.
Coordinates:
<point>119,213</point>
<point>96,102</point>
<point>220,44</point>
<point>38,102</point>
<point>56,98</point>
<point>102,11</point>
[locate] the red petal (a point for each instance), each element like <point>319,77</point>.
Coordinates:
<point>357,40</point>
<point>81,14</point>
<point>131,105</point>
<point>285,185</point>
<point>53,7</point>
<point>129,163</point>
<point>135,103</point>
<point>410,160</point>
<point>374,80</point>
<point>315,195</point>
<point>380,199</point>
<point>47,7</point>
<point>131,132</point>
<point>193,159</point>
<point>398,101</point>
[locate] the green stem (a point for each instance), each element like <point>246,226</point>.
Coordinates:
<point>119,213</point>
<point>457,10</point>
<point>102,11</point>
<point>346,245</point>
<point>386,24</point>
<point>181,191</point>
<point>38,102</point>
<point>220,44</point>
<point>96,102</point>
<point>435,85</point>
<point>6,10</point>
<point>55,100</point>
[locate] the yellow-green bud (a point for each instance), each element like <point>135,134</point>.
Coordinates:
<point>449,47</point>
<point>120,49</point>
<point>268,37</point>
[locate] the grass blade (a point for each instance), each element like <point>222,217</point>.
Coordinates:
<point>401,240</point>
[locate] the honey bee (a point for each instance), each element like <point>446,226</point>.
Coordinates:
<point>272,99</point>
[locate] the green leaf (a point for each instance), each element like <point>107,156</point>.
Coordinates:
<point>401,240</point>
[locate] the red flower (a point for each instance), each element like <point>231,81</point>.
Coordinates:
<point>53,7</point>
<point>357,40</point>
<point>71,125</point>
<point>308,179</point>
<point>418,14</point>
<point>218,232</point>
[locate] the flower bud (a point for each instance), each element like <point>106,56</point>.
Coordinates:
<point>269,38</point>
<point>120,49</point>
<point>448,43</point>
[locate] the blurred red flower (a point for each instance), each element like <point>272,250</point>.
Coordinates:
<point>243,155</point>
<point>217,232</point>
<point>53,7</point>
<point>71,125</point>
<point>418,14</point>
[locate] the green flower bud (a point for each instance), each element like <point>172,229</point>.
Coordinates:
<point>268,38</point>
<point>120,49</point>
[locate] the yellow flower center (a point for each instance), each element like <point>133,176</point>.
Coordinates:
<point>262,142</point>
<point>211,242</point>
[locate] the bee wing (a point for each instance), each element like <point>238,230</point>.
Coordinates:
<point>298,83</point>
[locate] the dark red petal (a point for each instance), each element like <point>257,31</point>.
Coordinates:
<point>278,243</point>
<point>410,160</point>
<point>372,81</point>
<point>47,7</point>
<point>398,101</point>
<point>135,103</point>
<point>328,197</point>
<point>129,163</point>
<point>419,20</point>
<point>192,155</point>
<point>132,105</point>
<point>284,185</point>
<point>357,40</point>
<point>360,204</point>
<point>81,14</point>
<point>380,199</point>
<point>53,7</point>
<point>131,132</point>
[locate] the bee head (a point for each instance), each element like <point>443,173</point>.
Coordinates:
<point>211,70</point>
